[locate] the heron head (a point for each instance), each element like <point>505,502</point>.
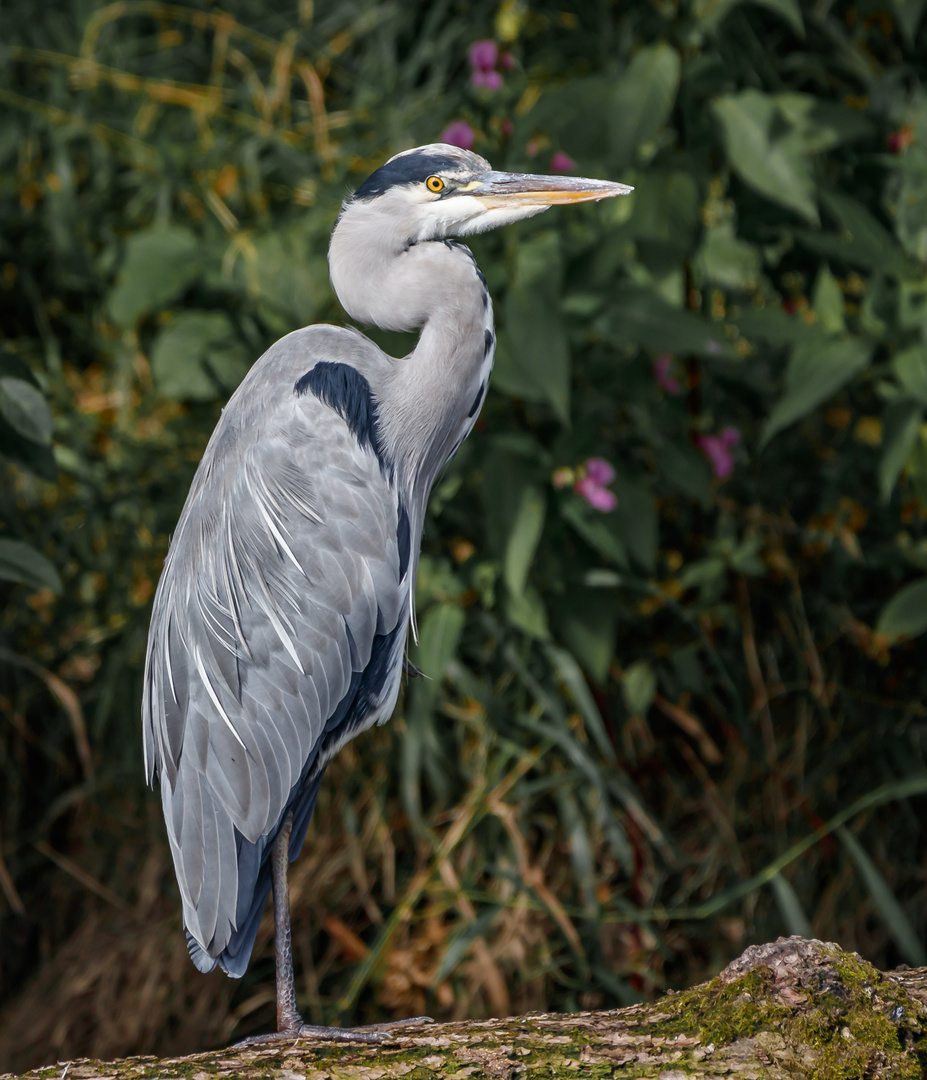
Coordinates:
<point>440,190</point>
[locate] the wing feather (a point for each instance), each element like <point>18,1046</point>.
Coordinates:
<point>283,570</point>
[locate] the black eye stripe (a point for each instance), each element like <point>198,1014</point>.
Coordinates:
<point>406,169</point>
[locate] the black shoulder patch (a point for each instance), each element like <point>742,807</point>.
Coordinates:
<point>345,390</point>
<point>403,540</point>
<point>477,399</point>
<point>408,169</point>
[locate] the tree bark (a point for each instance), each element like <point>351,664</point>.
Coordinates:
<point>792,1009</point>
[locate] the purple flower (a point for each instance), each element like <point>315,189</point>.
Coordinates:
<point>562,163</point>
<point>599,471</point>
<point>507,127</point>
<point>459,134</point>
<point>717,448</point>
<point>599,497</point>
<point>661,372</point>
<point>486,80</point>
<point>483,55</point>
<point>596,474</point>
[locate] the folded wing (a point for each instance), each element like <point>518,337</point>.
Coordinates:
<point>284,585</point>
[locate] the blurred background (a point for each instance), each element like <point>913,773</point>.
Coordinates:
<point>672,586</point>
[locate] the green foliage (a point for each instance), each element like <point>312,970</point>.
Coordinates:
<point>628,711</point>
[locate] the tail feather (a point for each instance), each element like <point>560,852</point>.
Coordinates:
<point>254,886</point>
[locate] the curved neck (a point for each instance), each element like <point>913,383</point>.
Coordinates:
<point>426,403</point>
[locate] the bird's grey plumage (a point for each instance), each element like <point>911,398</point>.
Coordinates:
<point>280,621</point>
<point>292,528</point>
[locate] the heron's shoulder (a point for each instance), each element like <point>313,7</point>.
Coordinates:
<point>304,348</point>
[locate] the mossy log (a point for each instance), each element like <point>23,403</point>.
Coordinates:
<point>794,1008</point>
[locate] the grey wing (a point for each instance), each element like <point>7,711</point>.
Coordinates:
<point>283,573</point>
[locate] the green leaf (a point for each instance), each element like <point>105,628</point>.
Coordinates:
<point>909,14</point>
<point>639,687</point>
<point>703,572</point>
<point>439,634</point>
<point>710,13</point>
<point>901,426</point>
<point>572,114</point>
<point>635,520</point>
<point>20,562</point>
<point>586,620</point>
<point>822,125</point>
<point>287,278</point>
<point>905,615</point>
<point>37,457</point>
<point>815,373</point>
<point>533,357</point>
<point>787,10</point>
<point>725,260</point>
<point>638,316</point>
<point>524,538</point>
<point>665,215</point>
<point>827,302</point>
<point>526,611</point>
<point>863,240</point>
<point>898,924</point>
<point>775,165</point>
<point>793,914</point>
<point>197,357</point>
<point>686,469</point>
<point>597,529</point>
<point>159,265</point>
<point>569,672</point>
<point>25,409</point>
<point>642,101</point>
<point>910,367</point>
<point>774,325</point>
<point>912,304</point>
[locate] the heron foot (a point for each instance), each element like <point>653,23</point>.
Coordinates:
<point>386,1025</point>
<point>372,1034</point>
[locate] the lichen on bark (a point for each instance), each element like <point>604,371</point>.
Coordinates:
<point>796,1009</point>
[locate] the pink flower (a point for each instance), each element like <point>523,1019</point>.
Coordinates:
<point>717,448</point>
<point>661,372</point>
<point>459,134</point>
<point>506,61</point>
<point>901,139</point>
<point>562,163</point>
<point>599,497</point>
<point>486,80</point>
<point>483,55</point>
<point>532,148</point>
<point>595,475</point>
<point>599,471</point>
<point>507,127</point>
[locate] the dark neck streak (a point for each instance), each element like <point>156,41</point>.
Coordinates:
<point>431,391</point>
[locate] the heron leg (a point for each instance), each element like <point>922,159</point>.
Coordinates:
<point>290,1024</point>
<point>288,1016</point>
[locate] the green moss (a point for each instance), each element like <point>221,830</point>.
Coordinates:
<point>722,1014</point>
<point>845,1023</point>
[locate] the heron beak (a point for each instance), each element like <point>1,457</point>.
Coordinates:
<point>502,189</point>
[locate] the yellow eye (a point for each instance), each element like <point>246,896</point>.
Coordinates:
<point>434,183</point>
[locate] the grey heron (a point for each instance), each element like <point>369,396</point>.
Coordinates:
<point>280,621</point>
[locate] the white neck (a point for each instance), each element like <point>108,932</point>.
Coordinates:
<point>383,279</point>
